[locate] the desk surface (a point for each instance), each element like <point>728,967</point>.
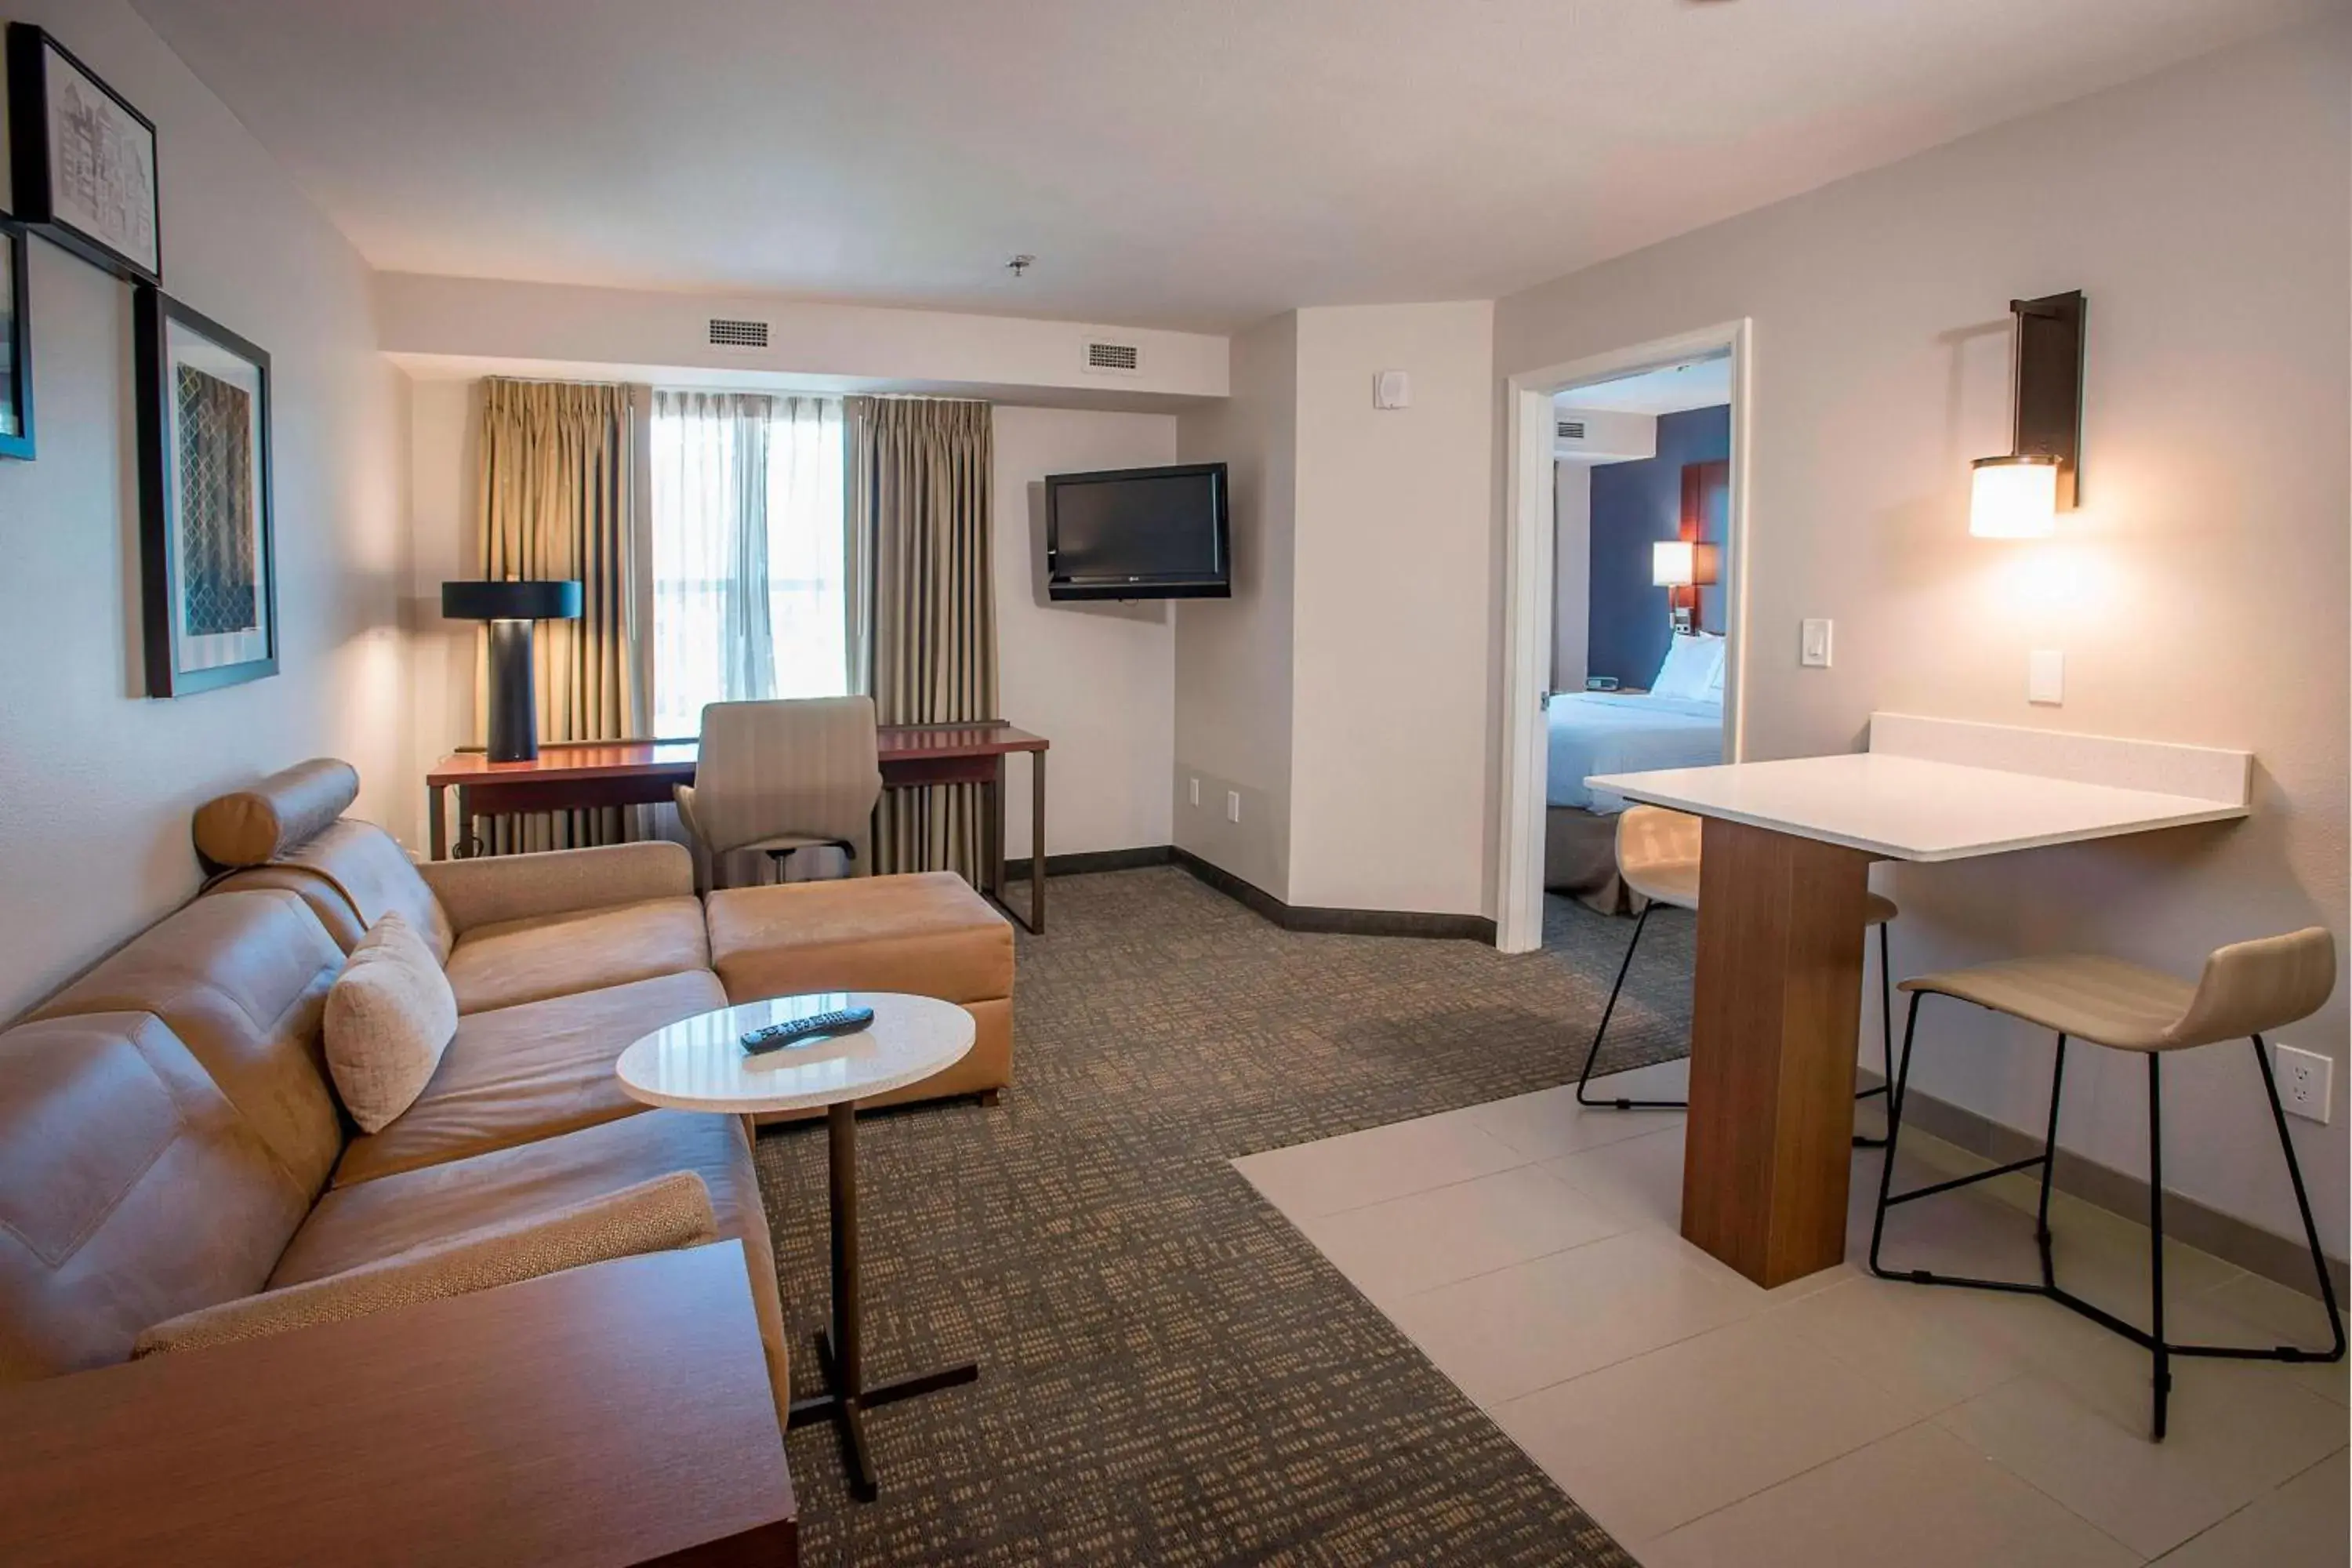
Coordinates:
<point>631,759</point>
<point>1911,808</point>
<point>609,1415</point>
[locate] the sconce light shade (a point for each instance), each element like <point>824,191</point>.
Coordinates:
<point>2014,497</point>
<point>1674,564</point>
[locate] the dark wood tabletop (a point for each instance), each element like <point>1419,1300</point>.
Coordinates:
<point>612,1415</point>
<point>896,743</point>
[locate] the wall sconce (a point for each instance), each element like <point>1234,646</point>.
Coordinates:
<point>2019,494</point>
<point>1676,564</point>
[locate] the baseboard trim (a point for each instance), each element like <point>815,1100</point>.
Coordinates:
<point>1086,860</point>
<point>1329,922</point>
<point>2281,1260</point>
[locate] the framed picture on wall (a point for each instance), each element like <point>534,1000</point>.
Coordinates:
<point>81,159</point>
<point>16,346</point>
<point>208,560</point>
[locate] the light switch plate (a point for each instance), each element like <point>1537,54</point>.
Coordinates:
<point>1232,806</point>
<point>1814,647</point>
<point>2045,677</point>
<point>2306,1083</point>
<point>1391,389</point>
<point>1196,792</point>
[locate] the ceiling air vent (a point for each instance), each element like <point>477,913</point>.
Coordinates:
<point>726,333</point>
<point>1107,357</point>
<point>1571,430</point>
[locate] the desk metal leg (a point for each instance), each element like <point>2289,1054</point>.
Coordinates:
<point>841,1349</point>
<point>1037,843</point>
<point>437,817</point>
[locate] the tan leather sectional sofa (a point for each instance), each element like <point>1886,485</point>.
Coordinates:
<point>169,1137</point>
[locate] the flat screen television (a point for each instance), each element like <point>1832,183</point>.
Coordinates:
<point>1138,534</point>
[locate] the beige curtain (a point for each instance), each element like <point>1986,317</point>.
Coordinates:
<point>922,619</point>
<point>561,497</point>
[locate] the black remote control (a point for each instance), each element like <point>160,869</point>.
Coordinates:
<point>801,1031</point>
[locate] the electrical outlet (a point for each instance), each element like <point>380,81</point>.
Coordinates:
<point>2305,1081</point>
<point>1196,792</point>
<point>1232,806</point>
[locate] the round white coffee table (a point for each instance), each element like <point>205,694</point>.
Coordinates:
<point>699,1064</point>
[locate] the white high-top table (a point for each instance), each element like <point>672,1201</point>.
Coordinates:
<point>1785,854</point>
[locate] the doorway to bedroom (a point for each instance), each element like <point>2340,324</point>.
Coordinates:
<point>1640,527</point>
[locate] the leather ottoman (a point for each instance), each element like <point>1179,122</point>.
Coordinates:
<point>927,934</point>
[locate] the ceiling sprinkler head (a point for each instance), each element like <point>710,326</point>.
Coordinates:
<point>1021,264</point>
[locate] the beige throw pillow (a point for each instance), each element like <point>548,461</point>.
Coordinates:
<point>389,1017</point>
<point>668,1212</point>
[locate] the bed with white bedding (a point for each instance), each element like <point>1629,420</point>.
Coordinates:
<point>1623,733</point>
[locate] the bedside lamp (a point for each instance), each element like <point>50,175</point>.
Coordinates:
<point>511,607</point>
<point>1676,564</point>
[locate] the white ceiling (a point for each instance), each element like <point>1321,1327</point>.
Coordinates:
<point>1180,163</point>
<point>1670,389</point>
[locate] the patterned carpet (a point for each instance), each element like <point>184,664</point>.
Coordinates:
<point>1169,1372</point>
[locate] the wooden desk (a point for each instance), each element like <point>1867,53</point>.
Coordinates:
<point>616,1414</point>
<point>1785,853</point>
<point>578,776</point>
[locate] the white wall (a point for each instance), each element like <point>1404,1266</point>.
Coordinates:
<point>100,780</point>
<point>1234,656</point>
<point>444,682</point>
<point>626,335</point>
<point>1096,680</point>
<point>2199,594</point>
<point>1572,595</point>
<point>1389,722</point>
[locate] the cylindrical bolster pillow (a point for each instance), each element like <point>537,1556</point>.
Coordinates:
<point>254,826</point>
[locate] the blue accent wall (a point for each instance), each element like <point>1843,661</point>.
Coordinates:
<point>1635,505</point>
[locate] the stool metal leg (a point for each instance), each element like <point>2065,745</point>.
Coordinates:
<point>2150,1339</point>
<point>1592,1051</point>
<point>1886,1040</point>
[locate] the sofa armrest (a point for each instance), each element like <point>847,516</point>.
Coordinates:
<point>492,888</point>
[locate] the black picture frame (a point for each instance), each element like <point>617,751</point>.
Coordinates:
<point>16,344</point>
<point>32,53</point>
<point>182,658</point>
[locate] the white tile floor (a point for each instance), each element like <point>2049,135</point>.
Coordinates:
<point>1530,1248</point>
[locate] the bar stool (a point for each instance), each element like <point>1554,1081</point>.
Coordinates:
<point>2247,988</point>
<point>1657,855</point>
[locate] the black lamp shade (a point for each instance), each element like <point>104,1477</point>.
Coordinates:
<point>480,601</point>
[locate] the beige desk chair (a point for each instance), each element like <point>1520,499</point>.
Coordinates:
<point>2248,989</point>
<point>1657,855</point>
<point>784,776</point>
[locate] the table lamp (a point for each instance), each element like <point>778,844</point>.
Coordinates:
<point>511,607</point>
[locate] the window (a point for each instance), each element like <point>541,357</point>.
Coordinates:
<point>749,553</point>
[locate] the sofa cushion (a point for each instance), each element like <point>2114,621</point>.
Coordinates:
<point>512,962</point>
<point>241,979</point>
<point>515,1074</point>
<point>925,935</point>
<point>131,1190</point>
<point>369,1220</point>
<point>390,1017</point>
<point>658,1216</point>
<point>353,874</point>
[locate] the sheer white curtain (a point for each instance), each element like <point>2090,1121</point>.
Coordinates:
<point>749,578</point>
